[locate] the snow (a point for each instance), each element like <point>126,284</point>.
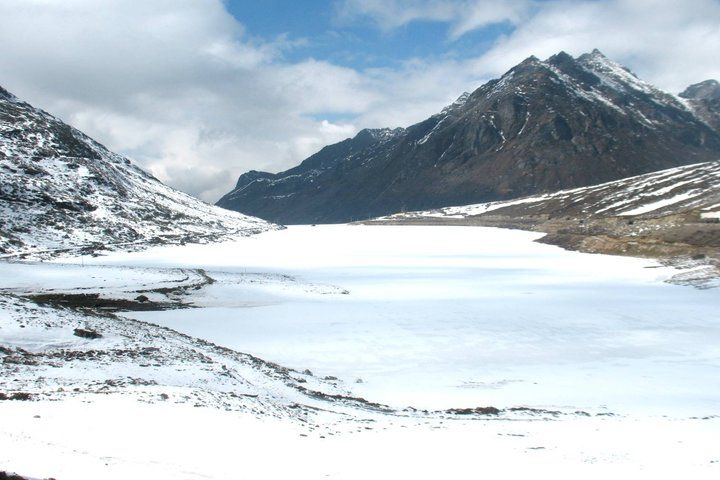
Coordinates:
<point>82,440</point>
<point>650,207</point>
<point>427,321</point>
<point>428,317</point>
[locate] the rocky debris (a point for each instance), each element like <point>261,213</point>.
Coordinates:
<point>8,475</point>
<point>475,411</point>
<point>93,301</point>
<point>22,396</point>
<point>200,372</point>
<point>86,333</point>
<point>543,126</point>
<point>356,402</point>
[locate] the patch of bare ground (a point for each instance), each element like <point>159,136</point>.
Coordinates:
<point>14,476</point>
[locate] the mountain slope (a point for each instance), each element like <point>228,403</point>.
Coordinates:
<point>60,189</point>
<point>672,214</point>
<point>691,189</point>
<point>543,126</point>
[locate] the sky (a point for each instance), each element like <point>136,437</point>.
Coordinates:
<point>200,91</point>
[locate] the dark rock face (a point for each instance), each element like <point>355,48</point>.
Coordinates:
<point>86,333</point>
<point>543,126</point>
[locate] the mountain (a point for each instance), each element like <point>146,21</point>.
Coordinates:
<point>543,126</point>
<point>673,215</point>
<point>59,189</point>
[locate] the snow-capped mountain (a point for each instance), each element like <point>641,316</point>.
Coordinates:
<point>543,126</point>
<point>59,189</point>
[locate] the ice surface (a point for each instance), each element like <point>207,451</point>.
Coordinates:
<point>440,317</point>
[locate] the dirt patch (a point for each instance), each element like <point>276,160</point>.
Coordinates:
<point>14,476</point>
<point>86,333</point>
<point>93,301</point>
<point>22,396</point>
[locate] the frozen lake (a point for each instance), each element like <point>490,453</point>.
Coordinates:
<point>439,317</point>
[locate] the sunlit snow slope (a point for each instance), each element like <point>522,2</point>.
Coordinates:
<point>60,189</point>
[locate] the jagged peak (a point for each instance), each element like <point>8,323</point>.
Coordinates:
<point>379,133</point>
<point>4,94</point>
<point>598,62</point>
<point>532,59</point>
<point>531,63</point>
<point>560,57</point>
<point>461,100</point>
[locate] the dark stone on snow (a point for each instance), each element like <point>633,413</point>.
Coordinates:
<point>86,333</point>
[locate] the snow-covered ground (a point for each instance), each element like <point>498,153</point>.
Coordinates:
<point>113,438</point>
<point>441,317</point>
<point>434,318</point>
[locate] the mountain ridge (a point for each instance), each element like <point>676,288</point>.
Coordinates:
<point>542,126</point>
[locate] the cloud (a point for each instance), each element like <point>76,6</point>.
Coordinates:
<point>176,84</point>
<point>671,44</point>
<point>463,15</point>
<point>185,90</point>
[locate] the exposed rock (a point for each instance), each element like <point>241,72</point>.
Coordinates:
<point>86,333</point>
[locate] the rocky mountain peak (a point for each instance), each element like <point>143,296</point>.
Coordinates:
<point>707,90</point>
<point>5,95</point>
<point>560,58</point>
<point>378,134</point>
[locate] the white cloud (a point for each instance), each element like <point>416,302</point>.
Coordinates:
<point>176,84</point>
<point>180,86</point>
<point>671,44</point>
<point>463,15</point>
